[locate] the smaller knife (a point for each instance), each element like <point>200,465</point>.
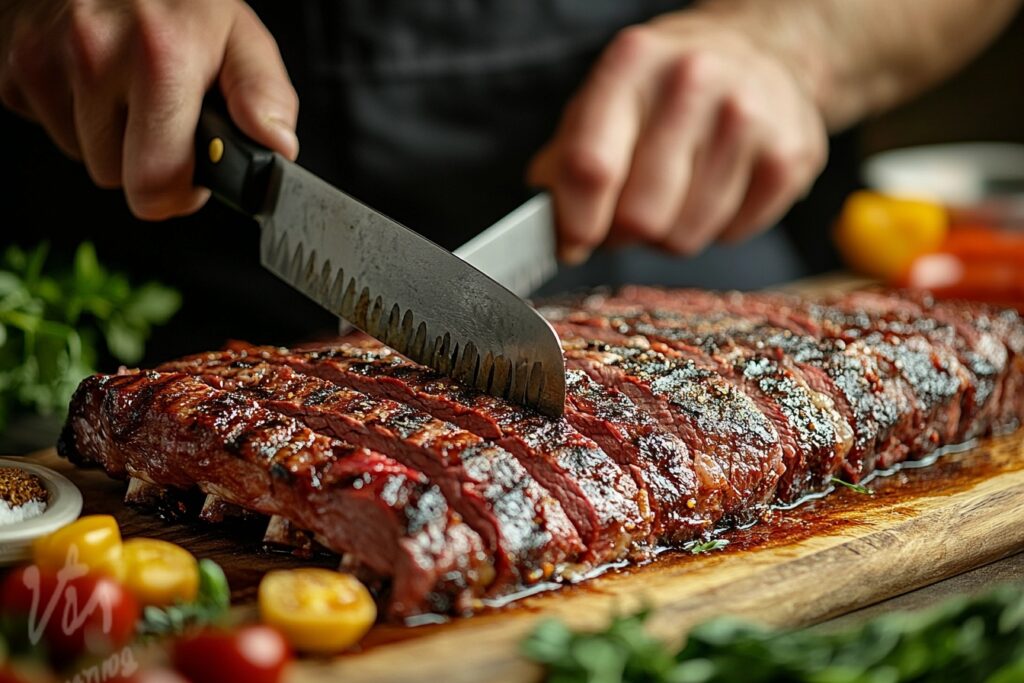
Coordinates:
<point>519,251</point>
<point>387,280</point>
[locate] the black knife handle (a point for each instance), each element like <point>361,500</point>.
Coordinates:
<point>236,169</point>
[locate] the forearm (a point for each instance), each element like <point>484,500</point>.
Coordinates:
<point>860,57</point>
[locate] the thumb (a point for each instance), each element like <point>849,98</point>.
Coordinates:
<point>255,84</point>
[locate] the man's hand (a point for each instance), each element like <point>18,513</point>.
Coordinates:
<point>119,85</point>
<point>685,132</point>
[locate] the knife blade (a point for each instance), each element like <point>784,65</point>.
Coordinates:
<point>519,251</point>
<point>387,280</point>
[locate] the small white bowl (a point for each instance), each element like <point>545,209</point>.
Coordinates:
<point>980,180</point>
<point>957,173</point>
<point>63,507</point>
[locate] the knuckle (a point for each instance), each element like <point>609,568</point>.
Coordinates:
<point>86,44</point>
<point>818,153</point>
<point>631,45</point>
<point>738,112</point>
<point>105,173</point>
<point>588,170</point>
<point>160,50</point>
<point>779,167</point>
<point>25,59</point>
<point>153,192</point>
<point>633,222</point>
<point>691,73</point>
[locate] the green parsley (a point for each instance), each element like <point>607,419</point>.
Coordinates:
<point>707,546</point>
<point>978,639</point>
<point>55,323</point>
<point>210,605</point>
<point>856,488</point>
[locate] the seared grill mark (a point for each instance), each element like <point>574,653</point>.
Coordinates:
<point>526,530</point>
<point>172,429</point>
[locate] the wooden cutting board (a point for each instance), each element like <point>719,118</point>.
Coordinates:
<point>824,558</point>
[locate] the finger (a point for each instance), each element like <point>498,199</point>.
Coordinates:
<point>780,177</point>
<point>771,192</point>
<point>14,100</point>
<point>163,109</point>
<point>45,90</point>
<point>100,123</point>
<point>587,161</point>
<point>97,54</point>
<point>721,177</point>
<point>254,81</point>
<point>663,161</point>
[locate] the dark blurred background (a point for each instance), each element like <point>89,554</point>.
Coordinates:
<point>210,257</point>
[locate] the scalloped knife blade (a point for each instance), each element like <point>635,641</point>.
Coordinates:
<point>408,292</point>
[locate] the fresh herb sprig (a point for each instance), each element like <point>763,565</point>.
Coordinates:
<point>699,548</point>
<point>856,488</point>
<point>209,607</point>
<point>977,639</point>
<point>55,323</point>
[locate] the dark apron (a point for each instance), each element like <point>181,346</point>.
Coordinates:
<point>431,110</point>
<point>427,109</point>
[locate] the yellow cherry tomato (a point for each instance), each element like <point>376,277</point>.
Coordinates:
<point>880,235</point>
<point>318,610</point>
<point>93,541</point>
<point>160,573</point>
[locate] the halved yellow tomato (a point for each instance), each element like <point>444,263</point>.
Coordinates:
<point>93,541</point>
<point>318,610</point>
<point>160,573</point>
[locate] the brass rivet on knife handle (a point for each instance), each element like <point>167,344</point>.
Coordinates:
<point>215,150</point>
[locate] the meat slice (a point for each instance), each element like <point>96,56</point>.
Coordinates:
<point>174,431</point>
<point>713,418</point>
<point>526,531</point>
<point>600,498</point>
<point>685,489</point>
<point>919,361</point>
<point>814,437</point>
<point>866,387</point>
<point>988,342</point>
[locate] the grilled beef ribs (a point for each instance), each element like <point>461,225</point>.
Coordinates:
<point>709,415</point>
<point>527,531</point>
<point>686,411</point>
<point>685,490</point>
<point>171,430</point>
<point>813,436</point>
<point>596,494</point>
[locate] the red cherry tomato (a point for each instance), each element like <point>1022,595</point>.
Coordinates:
<point>90,614</point>
<point>252,654</point>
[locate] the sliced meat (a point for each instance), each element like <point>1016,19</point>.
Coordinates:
<point>712,417</point>
<point>867,388</point>
<point>685,489</point>
<point>600,498</point>
<point>814,437</point>
<point>174,431</point>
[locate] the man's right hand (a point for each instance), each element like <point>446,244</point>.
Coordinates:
<point>119,84</point>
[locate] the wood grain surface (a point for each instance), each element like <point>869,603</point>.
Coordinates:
<point>824,558</point>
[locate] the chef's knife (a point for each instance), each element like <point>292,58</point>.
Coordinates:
<point>390,282</point>
<point>519,250</point>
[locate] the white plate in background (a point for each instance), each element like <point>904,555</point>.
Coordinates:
<point>979,179</point>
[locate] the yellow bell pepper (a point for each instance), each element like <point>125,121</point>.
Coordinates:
<point>879,235</point>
